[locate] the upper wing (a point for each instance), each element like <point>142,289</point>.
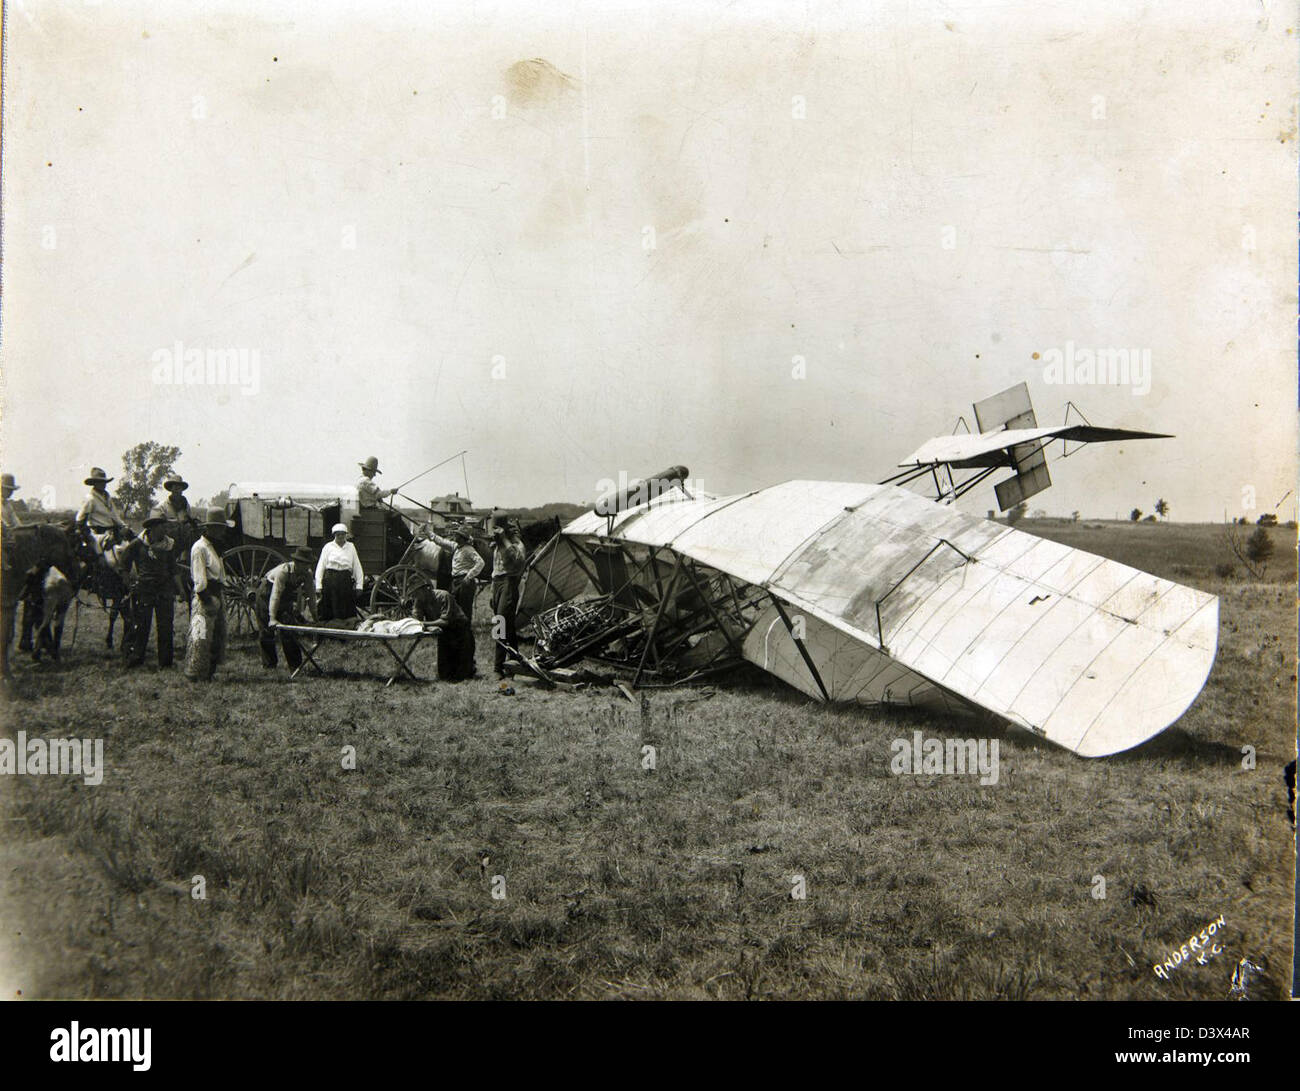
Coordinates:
<point>991,449</point>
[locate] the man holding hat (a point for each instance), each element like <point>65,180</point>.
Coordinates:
<point>149,564</point>
<point>369,494</point>
<point>339,578</point>
<point>508,559</point>
<point>99,513</point>
<point>207,643</point>
<point>277,601</point>
<point>10,517</point>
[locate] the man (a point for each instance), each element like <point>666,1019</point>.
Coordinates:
<point>277,602</point>
<point>176,508</point>
<point>439,610</point>
<point>207,643</point>
<point>507,570</point>
<point>466,564</point>
<point>369,494</point>
<point>149,565</point>
<point>99,514</point>
<point>339,578</point>
<point>8,487</point>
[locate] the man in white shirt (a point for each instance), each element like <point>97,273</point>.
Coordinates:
<point>99,514</point>
<point>207,643</point>
<point>339,578</point>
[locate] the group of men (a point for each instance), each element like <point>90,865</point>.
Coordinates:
<point>151,565</point>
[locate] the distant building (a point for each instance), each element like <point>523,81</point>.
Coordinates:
<point>451,504</point>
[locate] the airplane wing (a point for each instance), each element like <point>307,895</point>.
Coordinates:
<point>871,593</point>
<point>991,449</point>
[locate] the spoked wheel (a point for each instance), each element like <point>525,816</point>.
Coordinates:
<point>246,568</point>
<point>395,589</point>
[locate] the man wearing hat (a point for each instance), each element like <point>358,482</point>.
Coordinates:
<point>99,513</point>
<point>466,564</point>
<point>508,559</point>
<point>439,611</point>
<point>339,578</point>
<point>369,494</point>
<point>10,517</point>
<point>277,601</point>
<point>207,644</point>
<point>149,565</point>
<point>176,508</point>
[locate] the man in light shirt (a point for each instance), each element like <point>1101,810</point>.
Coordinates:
<point>99,514</point>
<point>339,578</point>
<point>277,601</point>
<point>207,644</point>
<point>9,487</point>
<point>369,494</point>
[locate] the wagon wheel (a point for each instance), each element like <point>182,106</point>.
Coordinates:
<point>395,588</point>
<point>246,568</point>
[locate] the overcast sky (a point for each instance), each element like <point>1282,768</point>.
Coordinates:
<point>763,241</point>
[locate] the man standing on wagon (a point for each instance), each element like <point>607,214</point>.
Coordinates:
<point>207,643</point>
<point>369,494</point>
<point>339,578</point>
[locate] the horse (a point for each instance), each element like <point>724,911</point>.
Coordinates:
<point>30,556</point>
<point>101,573</point>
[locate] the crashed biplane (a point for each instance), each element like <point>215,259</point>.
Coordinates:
<point>876,594</point>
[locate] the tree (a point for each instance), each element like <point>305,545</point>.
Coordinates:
<point>1162,509</point>
<point>1017,513</point>
<point>1074,517</point>
<point>1259,546</point>
<point>143,468</point>
<point>1268,519</point>
<point>1135,514</point>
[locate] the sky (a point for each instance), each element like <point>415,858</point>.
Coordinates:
<point>578,240</point>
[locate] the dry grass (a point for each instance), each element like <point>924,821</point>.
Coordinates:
<point>621,882</point>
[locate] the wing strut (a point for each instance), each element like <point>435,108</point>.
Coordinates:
<point>798,643</point>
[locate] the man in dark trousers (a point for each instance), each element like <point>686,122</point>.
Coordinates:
<point>507,570</point>
<point>155,578</point>
<point>277,603</point>
<point>439,610</point>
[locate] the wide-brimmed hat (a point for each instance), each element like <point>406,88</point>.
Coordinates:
<point>7,482</point>
<point>97,477</point>
<point>216,517</point>
<point>303,554</point>
<point>154,518</point>
<point>371,464</point>
<point>460,534</point>
<point>174,481</point>
<point>338,528</point>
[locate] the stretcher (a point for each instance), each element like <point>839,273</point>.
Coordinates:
<point>311,637</point>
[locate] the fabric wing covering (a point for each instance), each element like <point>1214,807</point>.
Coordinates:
<point>901,600</point>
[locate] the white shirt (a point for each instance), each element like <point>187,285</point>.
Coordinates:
<point>205,565</point>
<point>339,558</point>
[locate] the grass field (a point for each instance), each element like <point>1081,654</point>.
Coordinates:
<point>619,881</point>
